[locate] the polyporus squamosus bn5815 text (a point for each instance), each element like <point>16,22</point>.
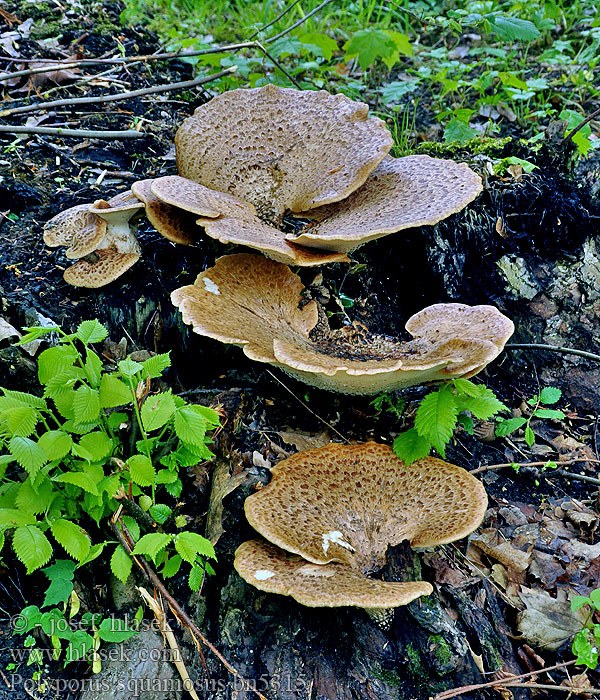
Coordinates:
<point>254,302</point>
<point>330,513</point>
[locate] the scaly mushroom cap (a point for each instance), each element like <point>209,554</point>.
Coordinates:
<point>254,302</point>
<point>281,149</point>
<point>106,266</point>
<point>348,503</point>
<point>273,570</point>
<point>231,219</point>
<point>77,228</point>
<point>400,193</point>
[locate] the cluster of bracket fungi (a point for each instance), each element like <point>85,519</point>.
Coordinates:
<point>305,178</point>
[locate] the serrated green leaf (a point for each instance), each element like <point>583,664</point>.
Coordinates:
<point>92,367</point>
<point>190,544</point>
<point>550,395</point>
<point>86,404</point>
<point>211,416</point>
<point>409,446</point>
<point>28,399</point>
<point>120,564</point>
<point>467,423</point>
<point>160,512</point>
<point>55,360</point>
<point>154,366</point>
<point>529,436</point>
<point>320,45</point>
<point>113,392</point>
<point>174,489</point>
<point>435,418</point>
<point>467,387</point>
<point>28,454</point>
<point>80,644</point>
<point>94,553</point>
<point>13,517</point>
<point>129,368</point>
<point>166,476</point>
<point>172,566</point>
<point>81,479</point>
<point>513,28</point>
<point>72,538</point>
<point>553,413</point>
<point>370,45</point>
<point>64,404</point>
<point>91,331</point>
<point>457,131</point>
<point>152,543</point>
<point>60,574</point>
<point>35,501</point>
<point>93,447</point>
<point>482,407</point>
<point>506,427</point>
<point>20,420</point>
<point>157,410</point>
<point>196,577</point>
<point>133,527</point>
<point>113,630</point>
<point>56,444</point>
<point>141,470</point>
<point>32,547</point>
<point>189,426</point>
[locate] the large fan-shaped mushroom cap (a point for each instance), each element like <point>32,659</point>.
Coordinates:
<point>273,570</point>
<point>348,503</point>
<point>281,149</point>
<point>400,193</point>
<point>254,302</point>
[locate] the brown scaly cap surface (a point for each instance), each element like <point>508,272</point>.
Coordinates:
<point>271,569</point>
<point>107,266</point>
<point>400,193</point>
<point>347,503</point>
<point>253,302</point>
<point>77,228</point>
<point>233,220</point>
<point>281,148</point>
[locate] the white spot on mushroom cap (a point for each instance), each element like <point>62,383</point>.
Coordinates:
<point>210,286</point>
<point>335,537</point>
<point>263,574</point>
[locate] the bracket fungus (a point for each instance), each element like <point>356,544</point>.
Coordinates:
<point>99,236</point>
<point>254,302</point>
<point>330,513</point>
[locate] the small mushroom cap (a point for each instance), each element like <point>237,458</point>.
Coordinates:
<point>78,228</point>
<point>348,503</point>
<point>253,302</point>
<point>400,193</point>
<point>281,148</point>
<point>108,266</point>
<point>236,221</point>
<point>268,568</point>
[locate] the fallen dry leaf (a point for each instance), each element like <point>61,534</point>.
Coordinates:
<point>304,441</point>
<point>504,552</point>
<point>222,485</point>
<point>547,622</point>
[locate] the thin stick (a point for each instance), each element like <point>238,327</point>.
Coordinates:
<point>76,133</point>
<point>273,21</point>
<point>579,126</point>
<point>492,467</point>
<point>565,688</point>
<point>553,348</point>
<point>298,23</point>
<point>454,692</point>
<point>183,617</point>
<point>307,407</point>
<point>119,96</point>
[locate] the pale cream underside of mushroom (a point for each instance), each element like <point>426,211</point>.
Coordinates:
<point>273,570</point>
<point>400,193</point>
<point>348,503</point>
<point>281,149</point>
<point>237,221</point>
<point>253,302</point>
<point>119,234</point>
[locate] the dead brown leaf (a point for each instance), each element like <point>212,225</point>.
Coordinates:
<point>304,441</point>
<point>547,622</point>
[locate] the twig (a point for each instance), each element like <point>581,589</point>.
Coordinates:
<point>492,467</point>
<point>273,21</point>
<point>276,63</point>
<point>454,692</point>
<point>553,348</point>
<point>182,616</point>
<point>298,23</point>
<point>565,688</point>
<point>75,133</point>
<point>579,126</point>
<point>119,96</point>
<point>308,408</point>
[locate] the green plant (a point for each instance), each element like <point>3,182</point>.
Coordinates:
<point>587,641</point>
<point>98,439</point>
<point>547,397</point>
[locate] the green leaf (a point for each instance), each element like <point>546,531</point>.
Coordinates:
<point>141,470</point>
<point>113,392</point>
<point>190,426</point>
<point>152,543</point>
<point>91,332</point>
<point>508,426</point>
<point>370,45</point>
<point>154,366</point>
<point>435,418</point>
<point>165,476</point>
<point>133,527</point>
<point>94,553</point>
<point>14,517</point>
<point>37,500</point>
<point>32,547</point>
<point>466,422</point>
<point>320,45</point>
<point>92,367</point>
<point>93,447</point>
<point>482,407</point>
<point>129,368</point>
<point>27,619</point>
<point>529,436</point>
<point>467,387</point>
<point>81,479</point>
<point>20,420</point>
<point>112,630</point>
<point>28,454</point>
<point>160,512</point>
<point>86,404</point>
<point>157,410</point>
<point>120,564</point>
<point>60,574</point>
<point>56,444</point>
<point>172,566</point>
<point>27,399</point>
<point>55,360</point>
<point>402,43</point>
<point>196,577</point>
<point>190,544</point>
<point>550,395</point>
<point>54,624</point>
<point>548,413</point>
<point>513,28</point>
<point>79,645</point>
<point>73,538</point>
<point>410,446</point>
<point>457,131</point>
